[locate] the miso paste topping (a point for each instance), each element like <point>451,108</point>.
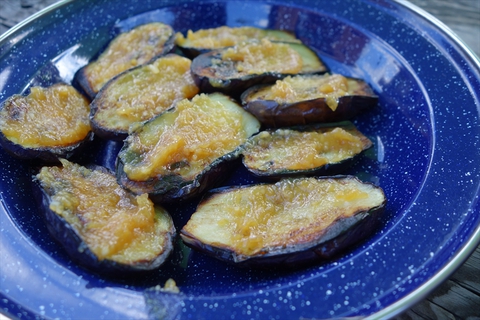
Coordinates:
<point>227,36</point>
<point>112,222</point>
<point>292,212</point>
<point>188,138</point>
<point>298,88</point>
<point>127,50</point>
<point>47,117</point>
<point>258,57</point>
<point>142,93</point>
<point>300,150</point>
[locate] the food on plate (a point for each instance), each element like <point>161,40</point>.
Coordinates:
<point>286,224</point>
<point>46,124</point>
<point>204,40</point>
<point>186,149</point>
<point>141,93</point>
<point>311,149</point>
<point>234,69</point>
<point>304,99</point>
<point>102,226</point>
<point>125,51</point>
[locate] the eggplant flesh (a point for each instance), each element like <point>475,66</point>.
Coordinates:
<point>287,224</point>
<point>141,93</point>
<point>47,124</point>
<point>308,99</point>
<point>101,226</point>
<point>232,70</point>
<point>127,50</point>
<point>186,149</point>
<point>313,149</point>
<point>204,40</point>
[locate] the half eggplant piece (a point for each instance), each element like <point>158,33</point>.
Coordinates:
<point>305,150</point>
<point>125,51</point>
<point>186,149</point>
<point>305,99</point>
<point>47,124</point>
<point>103,227</point>
<point>232,70</point>
<point>141,93</point>
<point>204,40</point>
<point>291,223</point>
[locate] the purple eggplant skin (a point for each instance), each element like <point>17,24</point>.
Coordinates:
<point>275,115</point>
<point>81,79</point>
<point>224,80</point>
<point>63,233</point>
<point>334,168</point>
<point>340,237</point>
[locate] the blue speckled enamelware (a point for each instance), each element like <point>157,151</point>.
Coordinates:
<point>426,157</point>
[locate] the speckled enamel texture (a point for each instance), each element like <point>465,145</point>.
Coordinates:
<point>426,157</point>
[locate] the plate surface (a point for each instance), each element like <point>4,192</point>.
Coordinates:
<point>426,157</point>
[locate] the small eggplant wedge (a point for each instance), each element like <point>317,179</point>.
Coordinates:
<point>304,150</point>
<point>141,93</point>
<point>186,149</point>
<point>291,223</point>
<point>308,99</point>
<point>127,50</point>
<point>102,227</point>
<point>205,40</point>
<point>232,70</point>
<point>47,124</point>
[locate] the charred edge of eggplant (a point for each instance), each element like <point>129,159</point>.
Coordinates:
<point>168,189</point>
<point>276,115</point>
<point>344,236</point>
<point>65,235</point>
<point>44,154</point>
<point>82,84</point>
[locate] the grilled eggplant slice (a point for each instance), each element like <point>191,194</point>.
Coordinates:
<point>47,124</point>
<point>309,99</point>
<point>205,40</point>
<point>287,224</point>
<point>127,50</point>
<point>103,227</point>
<point>306,150</point>
<point>141,93</point>
<point>232,70</point>
<point>186,149</point>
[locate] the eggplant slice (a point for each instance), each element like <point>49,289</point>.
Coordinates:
<point>232,70</point>
<point>204,40</point>
<point>288,224</point>
<point>140,94</point>
<point>47,124</point>
<point>308,99</point>
<point>306,150</point>
<point>102,226</point>
<point>186,149</point>
<point>127,50</point>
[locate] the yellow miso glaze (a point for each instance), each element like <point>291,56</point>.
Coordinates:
<point>257,57</point>
<point>127,50</point>
<point>197,132</point>
<point>291,212</point>
<point>48,117</point>
<point>297,150</point>
<point>113,223</point>
<point>227,36</point>
<point>298,88</point>
<point>144,92</point>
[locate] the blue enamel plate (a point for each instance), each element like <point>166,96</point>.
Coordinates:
<point>426,157</point>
